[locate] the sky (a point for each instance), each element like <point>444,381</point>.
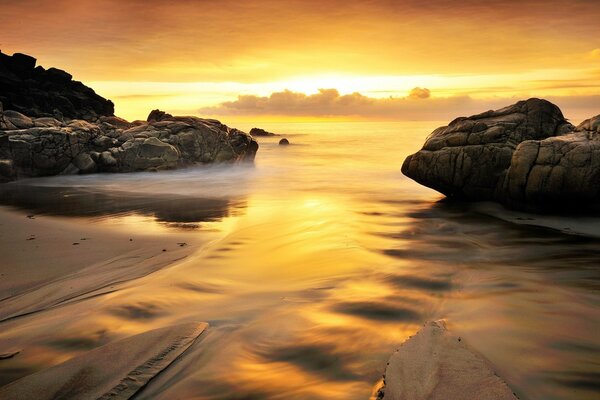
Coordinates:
<point>327,59</point>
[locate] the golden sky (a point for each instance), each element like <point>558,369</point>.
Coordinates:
<point>197,57</point>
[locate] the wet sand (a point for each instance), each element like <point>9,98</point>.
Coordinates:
<point>42,251</point>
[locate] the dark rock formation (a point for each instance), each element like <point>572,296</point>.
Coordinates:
<point>47,146</point>
<point>50,124</point>
<point>560,171</point>
<point>526,156</point>
<point>261,132</point>
<point>37,92</point>
<point>284,142</point>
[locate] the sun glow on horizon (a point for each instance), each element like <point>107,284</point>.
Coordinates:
<point>134,99</point>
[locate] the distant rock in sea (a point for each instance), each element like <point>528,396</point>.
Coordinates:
<point>261,132</point>
<point>37,92</point>
<point>526,156</point>
<point>284,142</point>
<point>68,129</point>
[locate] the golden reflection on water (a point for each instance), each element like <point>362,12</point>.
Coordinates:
<point>311,269</point>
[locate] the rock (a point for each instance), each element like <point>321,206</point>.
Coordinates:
<point>37,92</point>
<point>17,119</point>
<point>107,161</point>
<point>284,142</point>
<point>157,115</point>
<point>84,163</point>
<point>556,172</point>
<point>261,132</point>
<point>437,365</point>
<point>44,146</point>
<point>147,154</point>
<point>50,124</point>
<point>525,156</point>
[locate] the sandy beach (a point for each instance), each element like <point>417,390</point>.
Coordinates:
<point>50,263</point>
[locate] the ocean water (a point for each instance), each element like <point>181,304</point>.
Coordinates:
<point>319,261</point>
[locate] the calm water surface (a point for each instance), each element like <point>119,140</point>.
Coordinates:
<point>319,261</point>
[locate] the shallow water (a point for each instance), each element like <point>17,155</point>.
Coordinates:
<point>319,261</point>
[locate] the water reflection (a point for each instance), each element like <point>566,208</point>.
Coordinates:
<point>514,294</point>
<point>326,260</point>
<point>174,210</point>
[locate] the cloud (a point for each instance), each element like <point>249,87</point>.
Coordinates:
<point>418,105</point>
<point>419,93</point>
<point>327,102</point>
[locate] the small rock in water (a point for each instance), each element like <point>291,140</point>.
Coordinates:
<point>75,243</point>
<point>261,132</point>
<point>284,142</point>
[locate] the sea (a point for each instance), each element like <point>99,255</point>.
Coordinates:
<point>318,260</point>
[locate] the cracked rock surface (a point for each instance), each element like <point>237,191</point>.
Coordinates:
<point>526,156</point>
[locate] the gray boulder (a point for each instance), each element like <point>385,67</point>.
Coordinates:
<point>526,155</point>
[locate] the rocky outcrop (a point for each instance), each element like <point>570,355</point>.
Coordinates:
<point>39,92</point>
<point>44,146</point>
<point>526,155</point>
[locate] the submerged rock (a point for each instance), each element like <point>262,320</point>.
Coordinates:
<point>434,364</point>
<point>526,155</point>
<point>44,146</point>
<point>37,92</point>
<point>284,142</point>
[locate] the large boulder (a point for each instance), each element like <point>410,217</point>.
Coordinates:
<point>559,171</point>
<point>526,155</point>
<point>44,146</point>
<point>37,92</point>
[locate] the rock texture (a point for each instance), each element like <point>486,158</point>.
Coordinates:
<point>526,155</point>
<point>435,364</point>
<point>559,171</point>
<point>39,92</point>
<point>44,146</point>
